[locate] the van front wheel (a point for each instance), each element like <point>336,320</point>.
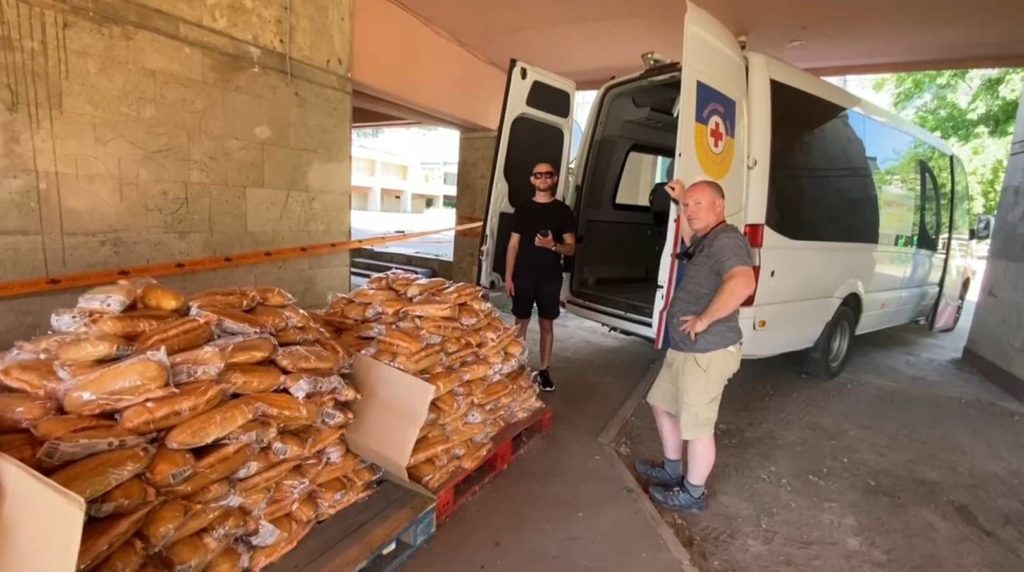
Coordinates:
<point>829,355</point>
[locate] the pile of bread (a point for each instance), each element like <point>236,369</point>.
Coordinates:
<point>205,433</point>
<point>450,336</point>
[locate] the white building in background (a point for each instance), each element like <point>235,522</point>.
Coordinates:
<point>404,170</point>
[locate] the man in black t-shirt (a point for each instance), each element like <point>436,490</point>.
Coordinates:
<point>543,232</point>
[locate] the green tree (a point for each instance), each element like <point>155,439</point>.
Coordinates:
<point>973,110</point>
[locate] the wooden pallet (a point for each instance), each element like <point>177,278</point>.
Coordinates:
<point>376,535</point>
<point>508,443</point>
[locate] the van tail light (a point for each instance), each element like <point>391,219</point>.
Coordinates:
<point>755,238</point>
<point>754,234</point>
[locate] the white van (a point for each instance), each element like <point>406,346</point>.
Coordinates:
<point>857,219</point>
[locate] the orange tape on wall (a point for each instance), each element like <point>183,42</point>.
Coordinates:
<point>13,288</point>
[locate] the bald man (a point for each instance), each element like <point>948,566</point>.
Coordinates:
<point>704,350</point>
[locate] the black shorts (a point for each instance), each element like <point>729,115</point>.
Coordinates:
<point>546,293</point>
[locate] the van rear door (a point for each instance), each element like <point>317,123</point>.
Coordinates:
<point>712,137</point>
<point>535,127</point>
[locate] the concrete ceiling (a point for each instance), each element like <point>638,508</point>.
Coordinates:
<point>591,41</point>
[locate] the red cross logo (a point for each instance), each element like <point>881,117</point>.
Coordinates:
<point>716,134</point>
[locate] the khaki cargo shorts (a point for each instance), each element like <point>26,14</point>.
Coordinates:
<point>690,387</point>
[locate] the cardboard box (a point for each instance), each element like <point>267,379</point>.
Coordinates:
<point>388,418</point>
<point>40,521</point>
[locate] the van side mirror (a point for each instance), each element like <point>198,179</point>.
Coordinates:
<point>982,228</point>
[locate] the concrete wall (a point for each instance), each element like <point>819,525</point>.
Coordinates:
<point>996,342</point>
<point>476,160</point>
<point>143,131</point>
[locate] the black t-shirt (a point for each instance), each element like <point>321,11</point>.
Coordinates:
<point>529,219</point>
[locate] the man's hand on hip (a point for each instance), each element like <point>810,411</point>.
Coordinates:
<point>693,325</point>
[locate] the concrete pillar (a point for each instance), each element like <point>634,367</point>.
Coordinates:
<point>476,161</point>
<point>373,200</point>
<point>996,342</point>
<point>148,131</point>
<point>406,205</point>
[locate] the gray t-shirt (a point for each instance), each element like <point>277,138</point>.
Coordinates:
<point>720,251</point>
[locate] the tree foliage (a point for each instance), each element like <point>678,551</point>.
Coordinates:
<point>973,110</point>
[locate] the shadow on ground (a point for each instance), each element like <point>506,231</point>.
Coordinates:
<point>908,461</point>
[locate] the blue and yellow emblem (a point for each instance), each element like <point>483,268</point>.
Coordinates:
<point>714,131</point>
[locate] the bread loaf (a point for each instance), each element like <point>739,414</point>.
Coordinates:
<point>292,534</point>
<point>96,347</point>
<point>59,426</point>
<point>167,412</point>
<point>280,407</point>
<point>274,297</point>
<point>305,511</point>
<point>348,463</point>
<point>191,553</point>
<point>131,324</point>
<point>80,444</point>
<point>199,519</point>
<point>420,361</point>
<point>400,342</point>
<point>203,364</point>
<point>229,560</point>
<point>400,281</point>
<point>273,319</point>
<point>20,411</point>
<point>460,293</point>
<point>446,328</point>
<point>117,386</point>
<point>370,296</point>
<point>95,475</point>
<point>128,557</point>
<point>170,467</point>
<point>109,299</point>
<point>243,299</point>
<point>219,493</point>
<point>39,347</point>
<point>177,336</point>
<point>211,425</point>
<point>303,335</point>
<point>445,381</point>
<point>296,359</point>
<point>267,476</point>
<point>163,521</point>
<point>128,497</point>
<point>431,310</point>
<point>101,537</point>
<point>229,525</point>
<point>33,376</point>
<point>259,433</point>
<point>303,385</point>
<point>160,298</point>
<point>315,439</point>
<point>22,446</point>
<point>425,286</point>
<point>211,474</point>
<point>229,321</point>
<point>245,379</point>
<point>288,446</point>
<point>246,351</point>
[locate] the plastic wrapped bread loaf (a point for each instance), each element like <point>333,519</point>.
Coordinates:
<point>95,347</point>
<point>101,537</point>
<point>177,336</point>
<point>275,297</point>
<point>128,497</point>
<point>191,400</point>
<point>160,298</point>
<point>33,376</point>
<point>128,557</point>
<point>170,467</point>
<point>109,299</point>
<point>95,475</point>
<point>243,299</point>
<point>211,425</point>
<point>297,359</point>
<point>21,411</point>
<point>117,386</point>
<point>131,324</point>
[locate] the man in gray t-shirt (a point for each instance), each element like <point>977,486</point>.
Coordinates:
<point>704,346</point>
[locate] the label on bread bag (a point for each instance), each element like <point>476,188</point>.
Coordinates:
<point>178,476</point>
<point>267,535</point>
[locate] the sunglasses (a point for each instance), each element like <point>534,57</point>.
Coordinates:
<point>544,175</point>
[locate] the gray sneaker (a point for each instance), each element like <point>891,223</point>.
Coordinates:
<point>678,499</point>
<point>655,474</point>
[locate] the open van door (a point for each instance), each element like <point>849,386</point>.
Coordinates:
<point>946,314</point>
<point>536,126</point>
<point>712,137</point>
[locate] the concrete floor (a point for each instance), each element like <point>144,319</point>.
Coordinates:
<point>908,461</point>
<point>563,505</point>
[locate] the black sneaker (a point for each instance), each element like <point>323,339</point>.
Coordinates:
<point>544,381</point>
<point>678,499</point>
<point>656,474</point>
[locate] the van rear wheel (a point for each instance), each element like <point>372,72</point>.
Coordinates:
<point>829,355</point>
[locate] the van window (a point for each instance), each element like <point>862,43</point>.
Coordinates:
<point>530,142</point>
<point>838,175</point>
<point>640,173</point>
<point>820,186</point>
